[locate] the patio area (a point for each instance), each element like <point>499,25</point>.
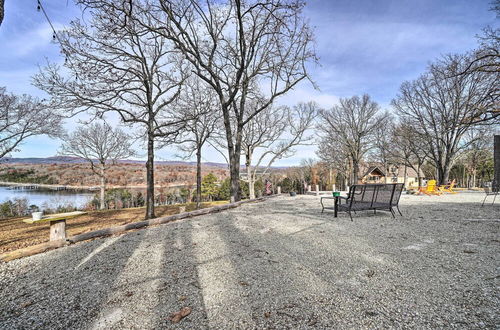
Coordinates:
<point>274,264</point>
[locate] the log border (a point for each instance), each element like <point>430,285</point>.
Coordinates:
<point>43,247</point>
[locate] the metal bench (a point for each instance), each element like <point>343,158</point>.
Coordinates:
<point>363,197</point>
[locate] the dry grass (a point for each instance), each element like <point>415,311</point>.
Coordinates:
<point>15,234</point>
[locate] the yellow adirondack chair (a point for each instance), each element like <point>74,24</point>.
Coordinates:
<point>448,187</point>
<point>430,189</point>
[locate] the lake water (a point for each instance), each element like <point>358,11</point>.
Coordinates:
<point>51,197</point>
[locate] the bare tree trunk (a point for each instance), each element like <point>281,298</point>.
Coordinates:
<point>496,158</point>
<point>355,170</point>
<point>443,175</point>
<point>198,178</point>
<point>251,181</point>
<point>234,167</point>
<point>150,181</point>
<point>234,172</point>
<point>419,178</point>
<point>103,187</point>
<point>405,179</point>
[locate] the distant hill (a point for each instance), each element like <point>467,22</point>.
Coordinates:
<point>76,160</point>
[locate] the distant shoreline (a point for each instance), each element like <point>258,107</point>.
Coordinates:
<point>90,188</point>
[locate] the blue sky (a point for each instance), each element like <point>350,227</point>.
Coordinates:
<point>364,47</point>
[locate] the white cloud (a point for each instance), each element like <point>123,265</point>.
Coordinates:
<point>31,41</point>
<point>305,93</point>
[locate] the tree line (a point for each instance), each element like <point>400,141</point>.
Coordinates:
<point>448,114</point>
<point>179,71</point>
<point>205,74</point>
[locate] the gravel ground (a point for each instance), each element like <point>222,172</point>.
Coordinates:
<point>275,264</point>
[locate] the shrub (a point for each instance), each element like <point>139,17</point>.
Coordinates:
<point>259,188</point>
<point>209,187</point>
<point>224,190</point>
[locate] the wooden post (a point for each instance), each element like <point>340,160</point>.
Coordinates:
<point>58,230</point>
<point>279,190</point>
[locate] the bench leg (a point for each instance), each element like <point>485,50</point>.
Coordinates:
<point>57,230</point>
<point>484,200</point>
<point>401,214</point>
<point>393,214</point>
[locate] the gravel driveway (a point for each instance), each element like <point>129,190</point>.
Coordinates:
<point>275,264</point>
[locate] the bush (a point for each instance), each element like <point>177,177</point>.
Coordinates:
<point>224,191</point>
<point>259,188</point>
<point>209,189</point>
<point>287,185</point>
<point>15,208</point>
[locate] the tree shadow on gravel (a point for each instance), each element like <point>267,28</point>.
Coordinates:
<point>358,284</point>
<point>50,291</point>
<point>283,286</point>
<point>180,285</point>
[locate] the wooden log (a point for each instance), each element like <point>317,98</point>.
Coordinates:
<point>156,221</point>
<point>58,230</point>
<point>8,256</point>
<point>31,250</point>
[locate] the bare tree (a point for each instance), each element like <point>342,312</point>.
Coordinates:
<point>115,64</point>
<point>335,154</point>
<point>486,58</point>
<point>101,146</point>
<point>234,45</point>
<point>22,117</point>
<point>409,149</point>
<point>353,123</point>
<point>443,104</point>
<point>272,135</point>
<point>479,150</point>
<point>384,145</point>
<point>200,103</point>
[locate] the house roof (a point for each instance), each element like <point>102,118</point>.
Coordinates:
<point>373,169</point>
<point>366,169</point>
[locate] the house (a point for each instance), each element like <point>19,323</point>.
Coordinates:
<point>375,173</point>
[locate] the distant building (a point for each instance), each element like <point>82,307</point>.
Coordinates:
<point>375,173</point>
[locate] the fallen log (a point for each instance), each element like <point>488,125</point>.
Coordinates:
<point>43,247</point>
<point>31,250</point>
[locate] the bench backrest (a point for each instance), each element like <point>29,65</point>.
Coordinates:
<point>370,195</point>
